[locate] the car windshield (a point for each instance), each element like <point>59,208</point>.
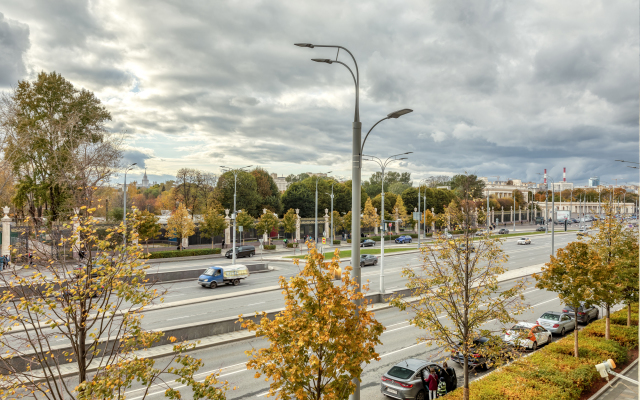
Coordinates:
<point>520,328</point>
<point>523,238</point>
<point>400,372</point>
<point>551,317</point>
<point>209,271</point>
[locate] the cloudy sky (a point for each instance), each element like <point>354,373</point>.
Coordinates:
<point>503,88</point>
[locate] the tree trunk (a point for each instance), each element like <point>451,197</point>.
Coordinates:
<point>466,376</point>
<point>575,331</point>
<point>629,314</point>
<point>607,329</point>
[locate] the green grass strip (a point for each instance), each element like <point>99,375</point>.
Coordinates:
<point>347,253</point>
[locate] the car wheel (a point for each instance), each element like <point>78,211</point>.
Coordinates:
<point>421,395</point>
<point>375,262</point>
<point>250,254</point>
<point>361,264</point>
<point>213,285</point>
<point>534,346</point>
<point>562,332</point>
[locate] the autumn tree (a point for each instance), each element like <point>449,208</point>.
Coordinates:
<point>463,286</point>
<point>428,218</point>
<point>346,222</point>
<point>57,319</point>
<point>370,218</point>
<point>213,224</point>
<point>401,210</point>
<point>574,274</point>
<point>289,221</point>
<point>337,222</point>
<point>266,224</point>
<point>180,225</point>
<point>615,246</point>
<point>321,340</point>
<point>246,221</point>
<point>148,228</point>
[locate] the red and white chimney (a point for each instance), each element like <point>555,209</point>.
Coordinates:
<point>545,176</point>
<point>564,174</point>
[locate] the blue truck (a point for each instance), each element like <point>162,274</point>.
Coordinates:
<point>228,274</point>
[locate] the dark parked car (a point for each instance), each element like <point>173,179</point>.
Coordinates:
<point>540,229</point>
<point>368,259</point>
<point>367,243</point>
<point>403,239</point>
<point>242,251</point>
<point>405,380</point>
<point>585,315</point>
<point>503,231</point>
<point>479,360</point>
<point>463,247</point>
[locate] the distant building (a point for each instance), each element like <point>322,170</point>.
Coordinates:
<point>594,182</point>
<point>145,180</point>
<point>280,181</point>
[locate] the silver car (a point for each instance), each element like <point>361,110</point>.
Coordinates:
<point>557,322</point>
<point>404,380</point>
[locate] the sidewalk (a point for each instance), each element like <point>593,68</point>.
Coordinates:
<point>620,389</point>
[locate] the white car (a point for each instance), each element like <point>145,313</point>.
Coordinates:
<point>527,335</point>
<point>524,240</point>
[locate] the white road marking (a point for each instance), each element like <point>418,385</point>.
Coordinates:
<point>253,304</point>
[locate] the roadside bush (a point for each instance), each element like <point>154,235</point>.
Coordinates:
<point>270,246</point>
<point>336,242</point>
<point>552,372</point>
<point>290,245</point>
<point>183,253</point>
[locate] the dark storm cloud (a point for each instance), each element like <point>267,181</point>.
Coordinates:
<point>498,88</point>
<point>131,156</point>
<point>14,42</point>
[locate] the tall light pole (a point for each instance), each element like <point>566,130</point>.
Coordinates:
<point>553,217</point>
<point>383,166</point>
<point>315,237</point>
<point>234,216</point>
<point>419,210</point>
<point>124,209</point>
<point>514,210</point>
<point>356,170</point>
<point>332,229</point>
<point>487,218</point>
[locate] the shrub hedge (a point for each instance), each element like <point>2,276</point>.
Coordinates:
<point>336,242</point>
<point>269,246</point>
<point>290,245</point>
<point>182,253</point>
<point>552,372</point>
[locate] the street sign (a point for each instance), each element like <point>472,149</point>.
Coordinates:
<point>260,240</point>
<point>416,215</point>
<point>324,240</point>
<point>390,224</point>
<point>240,228</point>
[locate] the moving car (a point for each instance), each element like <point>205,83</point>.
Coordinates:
<point>403,239</point>
<point>367,243</point>
<point>527,335</point>
<point>585,315</point>
<point>213,277</point>
<point>541,229</point>
<point>368,259</point>
<point>503,231</point>
<point>405,380</point>
<point>524,240</point>
<point>557,322</point>
<point>241,251</point>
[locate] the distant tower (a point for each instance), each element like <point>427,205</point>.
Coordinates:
<point>145,180</point>
<point>545,176</point>
<point>564,174</point>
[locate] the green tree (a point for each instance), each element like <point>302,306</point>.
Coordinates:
<point>270,197</point>
<point>321,340</point>
<point>149,228</point>
<point>213,224</point>
<point>298,196</point>
<point>48,126</point>
<point>398,188</point>
<point>402,211</point>
<point>389,202</point>
<point>247,197</point>
<point>180,225</point>
<point>338,223</point>
<point>289,221</point>
<point>346,222</point>
<point>266,224</point>
<point>373,186</point>
<point>574,274</point>
<point>471,183</point>
<point>246,221</point>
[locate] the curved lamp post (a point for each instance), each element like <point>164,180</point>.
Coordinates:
<point>356,170</point>
<point>234,216</point>
<point>383,166</point>
<point>124,211</point>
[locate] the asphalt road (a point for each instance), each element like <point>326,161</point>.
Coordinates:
<point>400,341</point>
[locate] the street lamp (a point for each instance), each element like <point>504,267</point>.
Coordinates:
<point>124,212</point>
<point>553,216</point>
<point>315,237</point>
<point>235,214</point>
<point>419,210</point>
<point>383,166</point>
<point>333,238</point>
<point>356,170</point>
